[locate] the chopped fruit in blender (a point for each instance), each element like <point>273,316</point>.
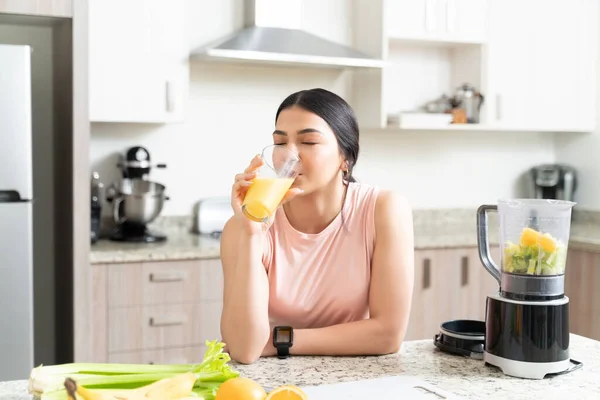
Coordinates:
<point>537,254</point>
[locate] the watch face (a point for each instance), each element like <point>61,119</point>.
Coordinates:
<point>284,336</point>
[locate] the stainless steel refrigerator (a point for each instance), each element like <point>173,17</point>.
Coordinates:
<point>16,214</point>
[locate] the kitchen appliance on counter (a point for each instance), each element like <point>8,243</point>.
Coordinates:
<point>527,321</point>
<point>136,201</point>
<point>211,215</point>
<point>553,181</point>
<point>96,207</point>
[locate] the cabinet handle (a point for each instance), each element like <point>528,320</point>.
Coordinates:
<point>426,273</point>
<point>464,271</point>
<point>498,107</point>
<point>167,320</point>
<point>173,276</point>
<point>450,15</point>
<point>170,96</point>
<point>430,20</point>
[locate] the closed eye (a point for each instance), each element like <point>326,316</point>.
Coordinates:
<point>309,143</point>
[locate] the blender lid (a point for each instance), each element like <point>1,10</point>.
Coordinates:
<point>462,337</point>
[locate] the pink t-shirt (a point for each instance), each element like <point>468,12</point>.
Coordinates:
<point>323,279</point>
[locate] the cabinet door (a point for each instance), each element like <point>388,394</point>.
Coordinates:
<point>53,8</point>
<point>581,286</point>
<point>509,100</point>
<point>136,60</point>
<point>465,20</point>
<point>434,298</point>
<point>437,20</point>
<point>542,75</point>
<point>415,19</point>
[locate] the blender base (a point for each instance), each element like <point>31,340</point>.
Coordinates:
<point>527,370</point>
<point>527,339</point>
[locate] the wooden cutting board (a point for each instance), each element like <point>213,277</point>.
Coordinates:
<point>387,388</point>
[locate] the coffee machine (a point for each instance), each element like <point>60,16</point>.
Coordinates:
<point>527,321</point>
<point>136,200</point>
<point>553,181</point>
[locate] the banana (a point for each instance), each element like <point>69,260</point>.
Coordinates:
<point>85,394</point>
<point>174,388</point>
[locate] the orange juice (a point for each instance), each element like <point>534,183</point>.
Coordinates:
<point>264,196</point>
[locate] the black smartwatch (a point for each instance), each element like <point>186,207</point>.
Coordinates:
<point>283,339</point>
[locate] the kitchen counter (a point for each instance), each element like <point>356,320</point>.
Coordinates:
<point>464,377</point>
<point>433,229</point>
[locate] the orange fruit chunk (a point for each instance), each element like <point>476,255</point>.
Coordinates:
<point>529,237</point>
<point>287,392</point>
<point>548,243</point>
<point>240,388</point>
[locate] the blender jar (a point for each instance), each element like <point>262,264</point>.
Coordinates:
<point>534,237</point>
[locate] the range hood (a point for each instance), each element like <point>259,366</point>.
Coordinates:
<point>273,34</point>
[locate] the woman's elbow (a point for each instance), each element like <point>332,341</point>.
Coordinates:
<point>245,356</point>
<point>391,341</point>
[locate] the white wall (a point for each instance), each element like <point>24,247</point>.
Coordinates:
<point>236,105</point>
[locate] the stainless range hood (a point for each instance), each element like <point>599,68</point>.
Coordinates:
<point>272,34</point>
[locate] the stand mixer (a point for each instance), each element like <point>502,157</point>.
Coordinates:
<point>527,322</point>
<point>136,200</point>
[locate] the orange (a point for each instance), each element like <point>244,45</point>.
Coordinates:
<point>287,392</point>
<point>529,237</point>
<point>548,243</point>
<point>240,389</point>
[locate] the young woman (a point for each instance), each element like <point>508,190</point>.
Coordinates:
<point>334,265</point>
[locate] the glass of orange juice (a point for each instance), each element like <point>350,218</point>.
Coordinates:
<point>274,178</point>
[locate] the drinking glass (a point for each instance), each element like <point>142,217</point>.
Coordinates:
<point>274,178</point>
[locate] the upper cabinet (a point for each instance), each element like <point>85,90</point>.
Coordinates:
<point>50,8</point>
<point>542,71</point>
<point>535,74</point>
<point>138,61</point>
<point>437,20</point>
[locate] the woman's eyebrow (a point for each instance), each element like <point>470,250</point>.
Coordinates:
<point>306,130</point>
<point>310,130</point>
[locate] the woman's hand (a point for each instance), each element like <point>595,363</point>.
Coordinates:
<point>239,191</point>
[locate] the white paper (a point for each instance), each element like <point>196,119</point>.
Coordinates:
<point>387,388</point>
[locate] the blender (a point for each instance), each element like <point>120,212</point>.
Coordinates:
<point>527,321</point>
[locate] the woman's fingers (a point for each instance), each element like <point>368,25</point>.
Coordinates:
<point>245,176</point>
<point>256,163</point>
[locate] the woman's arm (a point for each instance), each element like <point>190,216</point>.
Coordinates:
<point>245,319</point>
<point>392,280</point>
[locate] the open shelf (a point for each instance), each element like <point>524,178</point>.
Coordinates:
<point>489,128</point>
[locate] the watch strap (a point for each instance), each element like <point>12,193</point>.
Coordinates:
<point>283,351</point>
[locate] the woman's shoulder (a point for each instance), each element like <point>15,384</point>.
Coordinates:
<point>392,210</point>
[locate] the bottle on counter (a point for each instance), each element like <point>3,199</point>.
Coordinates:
<point>96,211</point>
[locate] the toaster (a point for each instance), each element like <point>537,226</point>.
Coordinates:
<point>211,215</point>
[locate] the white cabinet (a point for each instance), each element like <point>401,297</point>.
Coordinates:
<point>137,61</point>
<point>536,73</point>
<point>437,20</point>
<point>542,74</point>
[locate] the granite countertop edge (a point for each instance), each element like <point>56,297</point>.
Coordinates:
<point>122,254</point>
<point>465,377</point>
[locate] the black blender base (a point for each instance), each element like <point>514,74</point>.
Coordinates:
<point>141,235</point>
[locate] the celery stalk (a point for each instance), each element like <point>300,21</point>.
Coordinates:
<point>47,382</point>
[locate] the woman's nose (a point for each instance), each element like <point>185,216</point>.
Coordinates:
<point>292,147</point>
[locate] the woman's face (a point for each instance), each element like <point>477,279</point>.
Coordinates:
<point>312,139</point>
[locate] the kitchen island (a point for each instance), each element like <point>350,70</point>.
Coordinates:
<point>467,378</point>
